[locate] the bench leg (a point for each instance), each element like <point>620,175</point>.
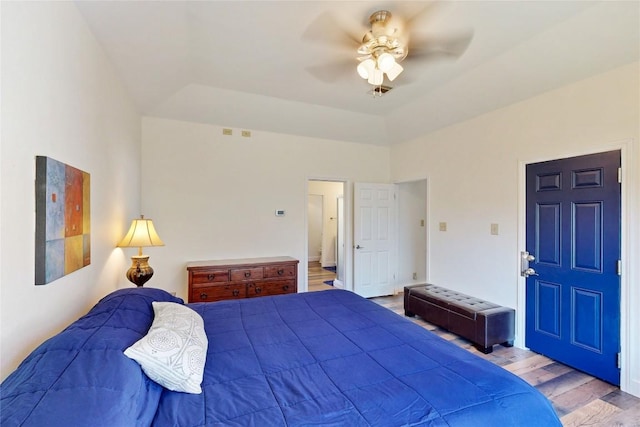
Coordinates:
<point>485,350</point>
<point>409,314</point>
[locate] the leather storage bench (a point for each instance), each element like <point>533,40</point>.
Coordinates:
<point>481,322</point>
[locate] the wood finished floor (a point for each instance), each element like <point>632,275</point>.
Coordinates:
<point>578,399</point>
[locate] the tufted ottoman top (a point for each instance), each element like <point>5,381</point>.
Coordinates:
<point>455,301</point>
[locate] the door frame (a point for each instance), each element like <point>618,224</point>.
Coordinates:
<point>427,223</point>
<point>303,270</point>
<point>628,270</point>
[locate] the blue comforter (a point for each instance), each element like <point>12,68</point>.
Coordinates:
<point>326,358</point>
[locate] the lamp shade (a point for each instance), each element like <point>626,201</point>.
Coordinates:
<point>141,233</point>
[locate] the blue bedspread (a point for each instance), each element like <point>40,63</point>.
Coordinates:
<point>81,377</point>
<point>326,358</point>
<point>335,359</point>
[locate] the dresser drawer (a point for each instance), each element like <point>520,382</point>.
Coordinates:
<point>207,277</point>
<point>238,274</point>
<point>218,293</point>
<point>271,287</point>
<point>284,271</point>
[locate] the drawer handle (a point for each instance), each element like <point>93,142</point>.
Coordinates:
<point>285,287</point>
<point>247,274</point>
<point>236,292</point>
<point>203,296</point>
<point>258,289</point>
<point>211,276</point>
<point>280,272</point>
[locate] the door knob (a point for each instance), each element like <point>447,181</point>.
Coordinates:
<point>359,247</point>
<point>525,270</point>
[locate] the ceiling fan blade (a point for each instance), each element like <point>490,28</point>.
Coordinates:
<point>326,29</point>
<point>433,46</point>
<point>412,16</point>
<point>334,71</point>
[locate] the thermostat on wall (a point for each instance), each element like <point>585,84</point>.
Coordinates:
<point>279,212</point>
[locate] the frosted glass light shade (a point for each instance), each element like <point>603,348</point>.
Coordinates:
<point>394,71</point>
<point>386,61</point>
<point>376,77</point>
<point>365,68</point>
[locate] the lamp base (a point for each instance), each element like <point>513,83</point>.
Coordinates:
<point>140,271</point>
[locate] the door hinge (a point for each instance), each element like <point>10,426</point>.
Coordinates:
<point>619,360</point>
<point>619,268</point>
<point>619,175</point>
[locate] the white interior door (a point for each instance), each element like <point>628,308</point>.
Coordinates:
<point>374,240</point>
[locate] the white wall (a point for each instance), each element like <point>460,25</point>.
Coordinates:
<point>330,192</point>
<point>474,173</point>
<point>412,235</point>
<point>314,227</point>
<point>213,196</point>
<point>62,99</point>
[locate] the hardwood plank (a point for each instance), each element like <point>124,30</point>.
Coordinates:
<point>529,364</point>
<point>594,413</point>
<point>582,395</point>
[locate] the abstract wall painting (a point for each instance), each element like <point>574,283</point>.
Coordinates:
<point>63,220</point>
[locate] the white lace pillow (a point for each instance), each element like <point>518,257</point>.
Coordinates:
<point>174,350</point>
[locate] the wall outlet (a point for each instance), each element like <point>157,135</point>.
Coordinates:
<point>422,223</point>
<point>443,226</point>
<point>246,133</point>
<point>494,229</point>
<point>227,131</point>
<point>415,276</point>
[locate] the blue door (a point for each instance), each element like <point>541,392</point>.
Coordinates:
<point>573,231</point>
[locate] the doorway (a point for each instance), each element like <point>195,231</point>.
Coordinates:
<point>390,237</point>
<point>325,234</point>
<point>412,233</point>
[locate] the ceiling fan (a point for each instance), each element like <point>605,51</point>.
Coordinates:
<point>378,54</point>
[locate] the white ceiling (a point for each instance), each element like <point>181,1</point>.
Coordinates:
<point>252,65</point>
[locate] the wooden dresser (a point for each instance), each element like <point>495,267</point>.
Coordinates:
<point>241,278</point>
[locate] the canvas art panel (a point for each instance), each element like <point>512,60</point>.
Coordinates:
<point>63,220</point>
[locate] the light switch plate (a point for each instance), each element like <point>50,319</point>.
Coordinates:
<point>494,229</point>
<point>443,226</point>
<point>280,212</point>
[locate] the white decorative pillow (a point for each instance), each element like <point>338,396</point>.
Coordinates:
<point>174,350</point>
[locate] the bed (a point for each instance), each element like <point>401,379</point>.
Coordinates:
<point>326,358</point>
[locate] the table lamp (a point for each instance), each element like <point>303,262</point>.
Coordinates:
<point>141,233</point>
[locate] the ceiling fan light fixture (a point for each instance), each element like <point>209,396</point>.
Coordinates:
<point>386,61</point>
<point>394,71</point>
<point>366,67</point>
<point>376,77</point>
